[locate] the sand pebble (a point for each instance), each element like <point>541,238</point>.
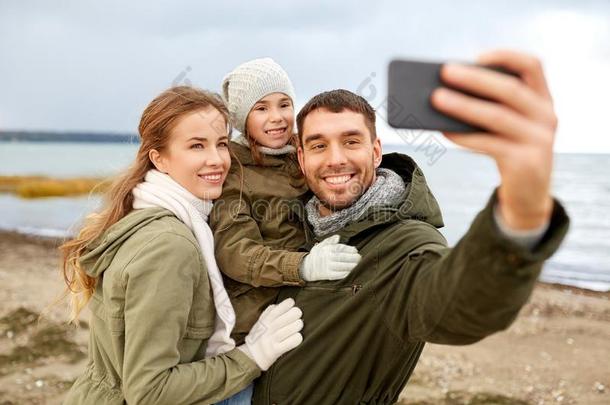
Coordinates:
<point>10,334</point>
<point>599,387</point>
<point>39,383</point>
<point>570,341</point>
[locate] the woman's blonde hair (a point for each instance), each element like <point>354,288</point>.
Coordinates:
<point>156,123</point>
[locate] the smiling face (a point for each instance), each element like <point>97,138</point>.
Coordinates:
<point>338,157</point>
<point>197,153</point>
<point>270,122</point>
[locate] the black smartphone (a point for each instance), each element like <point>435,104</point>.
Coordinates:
<point>410,84</point>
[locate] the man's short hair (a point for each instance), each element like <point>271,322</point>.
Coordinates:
<point>337,101</point>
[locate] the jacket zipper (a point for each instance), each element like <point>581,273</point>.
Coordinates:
<point>354,288</point>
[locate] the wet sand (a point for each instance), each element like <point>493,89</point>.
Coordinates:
<point>556,352</point>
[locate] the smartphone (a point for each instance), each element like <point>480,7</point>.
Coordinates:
<point>410,84</point>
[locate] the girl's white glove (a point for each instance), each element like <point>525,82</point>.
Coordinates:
<point>275,333</point>
<point>329,260</point>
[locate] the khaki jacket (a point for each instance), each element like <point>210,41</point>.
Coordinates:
<point>152,314</point>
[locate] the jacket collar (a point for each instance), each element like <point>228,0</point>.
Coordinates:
<point>418,202</point>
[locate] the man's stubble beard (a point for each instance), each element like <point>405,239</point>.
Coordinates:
<point>359,192</point>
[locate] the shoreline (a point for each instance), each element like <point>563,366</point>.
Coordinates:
<point>56,241</point>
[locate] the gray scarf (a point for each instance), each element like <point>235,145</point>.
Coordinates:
<point>387,190</point>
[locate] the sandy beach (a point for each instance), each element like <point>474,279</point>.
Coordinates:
<point>557,351</point>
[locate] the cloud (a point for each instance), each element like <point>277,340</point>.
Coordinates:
<point>94,66</point>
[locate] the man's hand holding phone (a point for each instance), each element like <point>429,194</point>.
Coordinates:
<point>519,123</point>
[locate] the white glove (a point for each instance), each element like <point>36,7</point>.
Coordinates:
<point>329,260</point>
<point>275,333</point>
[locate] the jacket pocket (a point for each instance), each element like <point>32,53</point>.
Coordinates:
<point>116,324</point>
<point>202,315</point>
<point>96,306</point>
<point>347,290</point>
<point>317,299</point>
<point>199,332</point>
<point>199,328</point>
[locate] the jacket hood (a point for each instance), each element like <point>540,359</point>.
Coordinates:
<point>102,250</point>
<point>418,203</point>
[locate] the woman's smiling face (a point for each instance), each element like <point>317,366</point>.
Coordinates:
<point>197,154</point>
<point>270,122</point>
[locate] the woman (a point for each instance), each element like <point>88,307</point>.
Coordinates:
<point>161,318</point>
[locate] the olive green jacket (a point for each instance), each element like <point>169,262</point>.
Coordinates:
<point>255,233</point>
<point>151,315</point>
<point>364,334</point>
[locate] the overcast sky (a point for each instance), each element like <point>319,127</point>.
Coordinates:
<point>87,65</point>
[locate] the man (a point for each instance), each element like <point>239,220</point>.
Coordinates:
<point>364,334</point>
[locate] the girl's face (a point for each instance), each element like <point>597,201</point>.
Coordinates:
<point>271,120</point>
<point>197,153</point>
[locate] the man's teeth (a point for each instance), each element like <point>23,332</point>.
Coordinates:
<point>338,179</point>
<point>212,177</point>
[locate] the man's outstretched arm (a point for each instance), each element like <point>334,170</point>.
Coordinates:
<point>460,295</point>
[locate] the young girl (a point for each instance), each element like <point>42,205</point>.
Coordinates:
<point>161,319</point>
<point>258,237</point>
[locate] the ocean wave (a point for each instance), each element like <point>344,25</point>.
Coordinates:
<point>580,283</point>
<point>577,275</point>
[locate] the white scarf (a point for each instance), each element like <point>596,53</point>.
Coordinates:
<point>160,190</point>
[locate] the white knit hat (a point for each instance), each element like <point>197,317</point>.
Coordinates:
<point>251,81</point>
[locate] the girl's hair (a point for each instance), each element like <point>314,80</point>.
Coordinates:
<point>156,124</point>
